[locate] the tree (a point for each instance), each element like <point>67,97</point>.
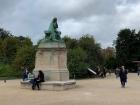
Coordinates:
<point>4,34</point>
<point>122,41</point>
<point>76,63</point>
<point>70,43</point>
<point>25,57</point>
<point>135,47</point>
<point>15,52</point>
<point>127,47</point>
<point>83,53</point>
<point>9,49</point>
<point>4,38</point>
<point>109,57</point>
<point>92,49</point>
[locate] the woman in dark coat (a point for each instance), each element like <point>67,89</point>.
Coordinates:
<point>123,76</point>
<point>38,80</point>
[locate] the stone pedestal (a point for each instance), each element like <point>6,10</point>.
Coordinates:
<point>51,85</point>
<point>51,58</point>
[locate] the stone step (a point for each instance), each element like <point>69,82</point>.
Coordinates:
<point>51,85</point>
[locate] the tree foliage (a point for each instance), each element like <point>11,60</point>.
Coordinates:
<point>25,57</point>
<point>109,58</point>
<point>82,53</point>
<point>92,49</point>
<point>70,43</point>
<point>18,51</point>
<point>4,34</point>
<point>127,47</point>
<point>76,63</point>
<point>15,52</point>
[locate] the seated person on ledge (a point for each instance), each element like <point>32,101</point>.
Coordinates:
<point>25,74</point>
<point>38,80</point>
<point>30,76</point>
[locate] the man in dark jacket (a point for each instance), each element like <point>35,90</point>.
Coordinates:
<point>123,76</point>
<point>38,80</point>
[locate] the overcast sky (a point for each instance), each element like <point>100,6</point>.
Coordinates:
<point>101,18</point>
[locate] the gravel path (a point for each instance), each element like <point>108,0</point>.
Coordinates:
<point>88,92</point>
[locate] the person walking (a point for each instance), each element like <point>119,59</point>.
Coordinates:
<point>117,70</point>
<point>104,72</point>
<point>123,76</point>
<point>98,70</point>
<point>138,70</point>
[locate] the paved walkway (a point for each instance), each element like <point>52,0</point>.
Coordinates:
<point>88,92</point>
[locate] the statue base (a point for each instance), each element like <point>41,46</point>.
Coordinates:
<point>51,85</point>
<point>51,58</point>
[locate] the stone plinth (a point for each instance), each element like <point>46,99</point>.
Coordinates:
<point>51,58</point>
<point>51,85</point>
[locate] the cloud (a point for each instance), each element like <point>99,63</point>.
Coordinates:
<point>101,18</point>
<point>5,5</point>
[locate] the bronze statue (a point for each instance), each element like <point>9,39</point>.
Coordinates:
<point>52,34</point>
